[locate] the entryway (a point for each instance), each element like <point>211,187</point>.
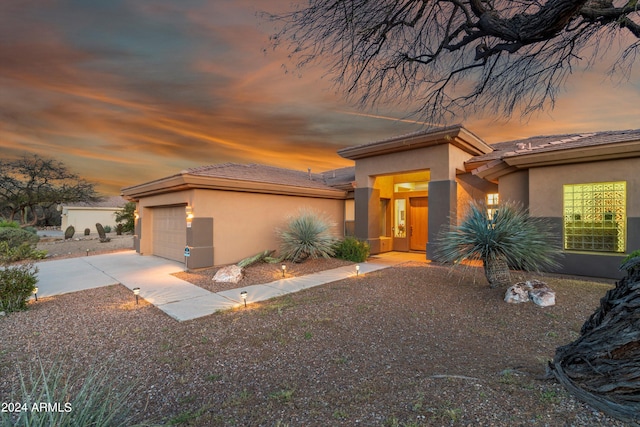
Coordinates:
<point>418,223</point>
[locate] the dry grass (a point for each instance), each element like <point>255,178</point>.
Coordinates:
<point>412,345</point>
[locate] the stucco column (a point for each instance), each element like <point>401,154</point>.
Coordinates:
<point>367,207</point>
<point>442,210</point>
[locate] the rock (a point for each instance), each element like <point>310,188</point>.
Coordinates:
<point>517,293</point>
<point>2,313</point>
<point>229,274</point>
<point>542,295</point>
<point>533,290</point>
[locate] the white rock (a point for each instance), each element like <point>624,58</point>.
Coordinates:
<point>517,293</point>
<point>542,295</point>
<point>229,274</point>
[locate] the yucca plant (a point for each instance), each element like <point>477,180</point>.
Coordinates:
<point>306,236</point>
<point>511,238</point>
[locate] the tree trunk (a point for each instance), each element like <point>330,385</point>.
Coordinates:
<point>602,367</point>
<point>496,270</point>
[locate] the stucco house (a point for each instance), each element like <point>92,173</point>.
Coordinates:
<point>402,191</point>
<point>87,214</point>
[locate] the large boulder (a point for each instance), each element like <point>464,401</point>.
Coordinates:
<point>229,274</point>
<point>533,290</point>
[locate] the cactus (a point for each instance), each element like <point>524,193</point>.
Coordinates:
<point>102,234</point>
<point>87,231</point>
<point>69,232</point>
<point>119,229</point>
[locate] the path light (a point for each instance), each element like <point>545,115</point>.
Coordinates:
<point>136,292</point>
<point>284,268</point>
<point>357,270</point>
<point>87,252</point>
<point>35,292</point>
<point>243,295</point>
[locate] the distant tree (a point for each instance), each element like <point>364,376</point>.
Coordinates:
<point>452,56</point>
<point>126,217</point>
<point>32,185</point>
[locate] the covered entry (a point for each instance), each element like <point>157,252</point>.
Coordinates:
<point>169,232</point>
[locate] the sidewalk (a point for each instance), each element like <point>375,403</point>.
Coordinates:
<point>178,298</point>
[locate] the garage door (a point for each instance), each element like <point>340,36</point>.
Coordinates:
<point>169,232</point>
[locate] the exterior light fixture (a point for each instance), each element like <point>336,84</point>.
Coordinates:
<point>136,215</point>
<point>35,292</point>
<point>357,270</point>
<point>136,292</point>
<point>284,268</point>
<point>243,295</point>
<point>189,212</point>
<point>87,252</point>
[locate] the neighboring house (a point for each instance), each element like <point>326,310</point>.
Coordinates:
<point>402,191</point>
<point>86,215</point>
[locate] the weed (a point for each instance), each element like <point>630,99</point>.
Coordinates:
<point>549,397</point>
<point>214,377</point>
<point>308,335</point>
<point>339,414</point>
<point>282,396</point>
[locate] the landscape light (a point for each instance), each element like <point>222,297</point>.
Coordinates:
<point>284,268</point>
<point>243,295</point>
<point>87,252</point>
<point>357,270</point>
<point>35,292</point>
<point>136,292</point>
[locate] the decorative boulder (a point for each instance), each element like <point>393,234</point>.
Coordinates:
<point>229,274</point>
<point>533,290</point>
<point>517,293</point>
<point>542,295</point>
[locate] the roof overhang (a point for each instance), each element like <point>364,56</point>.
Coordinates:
<point>457,136</point>
<point>182,182</point>
<point>509,163</point>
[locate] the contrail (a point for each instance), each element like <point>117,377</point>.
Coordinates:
<point>375,116</point>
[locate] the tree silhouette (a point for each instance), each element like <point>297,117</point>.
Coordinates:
<point>455,56</point>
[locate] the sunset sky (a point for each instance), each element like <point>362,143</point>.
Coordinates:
<point>126,91</point>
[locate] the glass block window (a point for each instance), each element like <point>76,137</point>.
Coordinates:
<point>595,216</point>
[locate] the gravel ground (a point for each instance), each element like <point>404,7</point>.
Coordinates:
<point>58,248</point>
<point>413,345</point>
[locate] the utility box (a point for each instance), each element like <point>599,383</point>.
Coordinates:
<point>200,243</point>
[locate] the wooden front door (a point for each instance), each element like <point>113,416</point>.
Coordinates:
<point>418,223</point>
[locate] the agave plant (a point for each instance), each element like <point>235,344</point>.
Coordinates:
<point>509,238</point>
<point>307,236</point>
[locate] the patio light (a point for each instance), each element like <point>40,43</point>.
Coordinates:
<point>284,268</point>
<point>357,270</point>
<point>87,252</point>
<point>243,295</point>
<point>35,292</point>
<point>136,292</point>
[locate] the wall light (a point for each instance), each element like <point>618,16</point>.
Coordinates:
<point>136,215</point>
<point>243,295</point>
<point>357,270</point>
<point>189,212</point>
<point>284,268</point>
<point>35,292</point>
<point>136,292</point>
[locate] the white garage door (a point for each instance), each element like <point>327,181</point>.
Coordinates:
<point>169,232</point>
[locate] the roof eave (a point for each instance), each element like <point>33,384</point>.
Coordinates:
<point>616,151</point>
<point>455,135</point>
<point>189,182</point>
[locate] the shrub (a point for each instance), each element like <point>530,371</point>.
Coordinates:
<point>510,238</point>
<point>69,232</point>
<point>17,236</point>
<point>107,229</point>
<point>24,251</point>
<point>90,400</point>
<point>126,217</point>
<point>306,236</point>
<point>8,224</point>
<point>87,231</point>
<point>352,249</point>
<point>16,286</point>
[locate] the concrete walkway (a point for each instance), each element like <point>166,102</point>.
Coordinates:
<point>178,298</point>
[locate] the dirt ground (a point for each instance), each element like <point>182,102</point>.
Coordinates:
<point>413,345</point>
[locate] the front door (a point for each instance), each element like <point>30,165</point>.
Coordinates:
<point>418,223</point>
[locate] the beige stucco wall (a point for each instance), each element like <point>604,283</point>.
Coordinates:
<point>243,223</point>
<point>545,184</point>
<point>471,188</point>
<point>515,187</point>
<point>85,217</point>
<point>442,160</point>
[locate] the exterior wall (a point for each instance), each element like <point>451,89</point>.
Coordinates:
<point>471,188</point>
<point>243,223</point>
<point>546,200</point>
<point>515,187</point>
<point>86,217</point>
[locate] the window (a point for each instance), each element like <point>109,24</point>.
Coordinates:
<point>595,216</point>
<point>493,200</point>
<point>385,223</point>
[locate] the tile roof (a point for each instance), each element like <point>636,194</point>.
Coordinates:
<point>104,202</point>
<point>262,174</point>
<point>540,144</point>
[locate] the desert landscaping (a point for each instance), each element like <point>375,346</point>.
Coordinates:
<point>414,345</point>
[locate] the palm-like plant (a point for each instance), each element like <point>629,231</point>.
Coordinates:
<point>510,238</point>
<point>307,236</point>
